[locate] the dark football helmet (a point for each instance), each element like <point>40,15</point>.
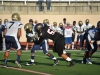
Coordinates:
<point>98,24</point>
<point>39,27</point>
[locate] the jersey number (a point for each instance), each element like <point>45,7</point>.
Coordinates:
<point>50,32</point>
<point>11,24</point>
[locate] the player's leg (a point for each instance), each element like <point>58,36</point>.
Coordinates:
<point>73,37</point>
<point>64,56</point>
<point>1,40</point>
<point>77,41</point>
<point>6,55</point>
<point>16,45</point>
<point>86,54</point>
<point>59,47</point>
<point>45,50</point>
<point>27,43</point>
<point>4,46</point>
<point>66,43</point>
<point>32,62</point>
<point>70,42</point>
<point>91,52</point>
<point>81,38</point>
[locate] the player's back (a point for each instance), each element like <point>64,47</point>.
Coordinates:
<point>12,28</point>
<point>51,34</point>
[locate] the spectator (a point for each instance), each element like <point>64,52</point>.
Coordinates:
<point>68,35</point>
<point>64,21</point>
<point>1,40</point>
<point>48,3</point>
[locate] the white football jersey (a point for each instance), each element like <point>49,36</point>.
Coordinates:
<point>55,28</point>
<point>80,29</point>
<point>59,30</point>
<point>87,26</point>
<point>12,27</point>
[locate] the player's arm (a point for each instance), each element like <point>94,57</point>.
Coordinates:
<point>19,31</point>
<point>4,32</point>
<point>90,40</point>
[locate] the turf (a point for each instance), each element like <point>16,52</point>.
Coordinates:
<point>45,64</point>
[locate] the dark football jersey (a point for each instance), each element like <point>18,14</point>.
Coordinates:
<point>48,33</point>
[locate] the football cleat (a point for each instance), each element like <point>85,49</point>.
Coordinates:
<point>18,64</point>
<point>71,64</point>
<point>30,63</point>
<point>5,66</point>
<point>55,62</point>
<point>88,61</point>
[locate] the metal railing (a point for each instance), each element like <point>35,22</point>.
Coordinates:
<point>29,9</point>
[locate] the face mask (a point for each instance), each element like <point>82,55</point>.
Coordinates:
<point>87,23</point>
<point>80,25</point>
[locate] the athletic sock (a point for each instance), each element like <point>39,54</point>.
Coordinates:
<point>18,58</point>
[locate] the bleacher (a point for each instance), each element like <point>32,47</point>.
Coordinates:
<point>57,7</point>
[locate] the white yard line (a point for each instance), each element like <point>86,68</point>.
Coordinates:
<point>25,70</point>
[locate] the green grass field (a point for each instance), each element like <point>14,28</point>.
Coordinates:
<point>43,64</point>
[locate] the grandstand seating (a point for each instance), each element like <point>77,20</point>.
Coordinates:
<point>57,7</point>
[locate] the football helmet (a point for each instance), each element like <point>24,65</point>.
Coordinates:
<point>39,27</point>
<point>44,21</point>
<point>87,21</point>
<point>5,20</point>
<point>47,20</point>
<point>0,20</point>
<point>28,27</point>
<point>80,23</point>
<point>54,23</point>
<point>16,16</point>
<point>98,24</point>
<point>60,24</point>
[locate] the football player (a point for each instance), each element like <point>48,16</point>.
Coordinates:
<point>87,25</point>
<point>80,33</point>
<point>1,30</point>
<point>73,35</point>
<point>29,40</point>
<point>4,46</point>
<point>92,36</point>
<point>12,34</point>
<point>45,32</point>
<point>35,47</point>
